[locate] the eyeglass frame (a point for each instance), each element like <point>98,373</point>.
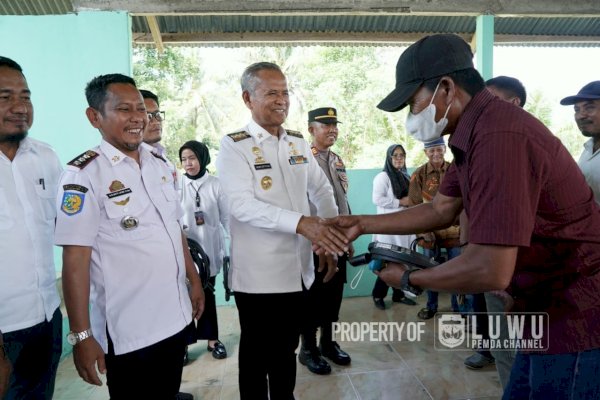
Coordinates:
<point>155,115</point>
<point>399,156</point>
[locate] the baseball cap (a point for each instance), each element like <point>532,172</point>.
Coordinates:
<point>430,57</point>
<point>591,91</point>
<point>325,115</point>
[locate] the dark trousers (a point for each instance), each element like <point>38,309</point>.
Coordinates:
<point>270,331</point>
<point>34,353</point>
<point>153,372</point>
<point>323,302</point>
<point>207,327</point>
<point>380,290</point>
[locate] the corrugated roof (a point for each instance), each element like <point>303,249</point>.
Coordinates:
<point>572,31</point>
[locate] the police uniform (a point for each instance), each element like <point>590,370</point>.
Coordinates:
<point>159,151</point>
<point>128,214</point>
<point>30,318</point>
<point>269,181</point>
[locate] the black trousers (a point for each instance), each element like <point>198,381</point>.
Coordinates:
<point>153,372</point>
<point>270,331</point>
<point>34,353</point>
<point>380,290</point>
<point>324,299</point>
<point>207,327</point>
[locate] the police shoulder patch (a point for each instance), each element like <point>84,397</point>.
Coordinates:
<point>72,203</point>
<point>83,159</point>
<point>237,136</point>
<point>294,133</point>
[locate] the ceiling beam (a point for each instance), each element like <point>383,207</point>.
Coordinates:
<point>342,37</point>
<point>368,7</point>
<point>155,32</point>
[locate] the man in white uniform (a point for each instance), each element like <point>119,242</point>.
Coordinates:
<point>586,104</point>
<point>269,175</point>
<point>123,253</point>
<point>30,319</point>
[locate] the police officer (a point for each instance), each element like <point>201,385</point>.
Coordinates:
<point>326,298</point>
<point>123,253</point>
<point>29,303</point>
<point>269,175</point>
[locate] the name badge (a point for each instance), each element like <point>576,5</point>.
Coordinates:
<point>262,166</point>
<point>294,160</point>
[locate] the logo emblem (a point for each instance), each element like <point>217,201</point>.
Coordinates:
<point>266,182</point>
<point>72,203</point>
<point>451,330</point>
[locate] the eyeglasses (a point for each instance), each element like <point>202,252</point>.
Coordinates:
<point>399,156</point>
<point>158,115</point>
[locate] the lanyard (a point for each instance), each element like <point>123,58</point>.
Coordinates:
<point>197,195</point>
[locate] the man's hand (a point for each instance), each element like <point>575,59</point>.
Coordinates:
<point>5,370</point>
<point>324,236</point>
<point>349,225</point>
<point>328,261</point>
<point>197,298</point>
<point>392,274</point>
<point>86,355</point>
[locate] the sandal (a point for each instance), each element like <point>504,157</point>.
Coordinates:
<point>219,352</point>
<point>426,313</point>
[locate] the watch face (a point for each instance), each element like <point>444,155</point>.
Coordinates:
<point>71,339</point>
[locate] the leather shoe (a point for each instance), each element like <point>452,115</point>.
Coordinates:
<point>219,352</point>
<point>334,353</point>
<point>184,396</point>
<point>478,361</point>
<point>313,361</point>
<point>379,303</point>
<point>405,300</point>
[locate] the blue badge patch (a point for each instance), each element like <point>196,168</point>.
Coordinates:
<point>72,203</point>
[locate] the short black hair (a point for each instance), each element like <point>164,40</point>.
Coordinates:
<point>510,85</point>
<point>146,94</point>
<point>95,90</point>
<point>7,62</point>
<point>469,79</point>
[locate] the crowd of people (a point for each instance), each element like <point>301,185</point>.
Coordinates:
<point>513,221</point>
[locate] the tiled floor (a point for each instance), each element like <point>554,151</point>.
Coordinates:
<point>379,370</point>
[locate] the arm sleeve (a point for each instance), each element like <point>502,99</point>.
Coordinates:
<point>78,212</point>
<point>381,192</point>
<point>237,182</point>
<point>450,185</point>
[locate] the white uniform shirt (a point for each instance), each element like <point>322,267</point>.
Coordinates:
<point>28,185</point>
<point>137,276</point>
<point>589,162</point>
<point>269,182</point>
<point>386,202</point>
<point>213,204</point>
<point>159,149</point>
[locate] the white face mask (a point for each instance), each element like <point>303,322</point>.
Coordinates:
<point>422,126</point>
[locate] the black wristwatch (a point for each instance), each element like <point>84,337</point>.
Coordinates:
<point>406,286</point>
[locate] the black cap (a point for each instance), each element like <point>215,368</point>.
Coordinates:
<point>325,115</point>
<point>591,91</point>
<point>430,57</point>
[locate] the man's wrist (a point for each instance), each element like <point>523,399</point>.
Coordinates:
<point>407,286</point>
<point>74,338</point>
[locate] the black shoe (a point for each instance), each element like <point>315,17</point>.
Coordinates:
<point>219,352</point>
<point>426,313</point>
<point>405,300</point>
<point>379,303</point>
<point>313,361</point>
<point>184,396</point>
<point>332,351</point>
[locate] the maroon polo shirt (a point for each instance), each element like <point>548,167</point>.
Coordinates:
<point>521,187</point>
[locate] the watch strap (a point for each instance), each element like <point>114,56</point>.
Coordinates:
<point>405,283</point>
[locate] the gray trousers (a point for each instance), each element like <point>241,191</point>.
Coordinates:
<point>504,358</point>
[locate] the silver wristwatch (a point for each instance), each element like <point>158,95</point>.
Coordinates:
<point>77,337</point>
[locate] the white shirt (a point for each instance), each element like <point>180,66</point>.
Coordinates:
<point>267,198</point>
<point>28,185</point>
<point>159,149</point>
<point>386,202</point>
<point>589,162</point>
<point>137,276</point>
<point>215,209</point>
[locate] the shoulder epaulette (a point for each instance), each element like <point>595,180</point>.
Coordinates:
<point>237,136</point>
<point>158,156</point>
<point>83,159</point>
<point>294,133</point>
